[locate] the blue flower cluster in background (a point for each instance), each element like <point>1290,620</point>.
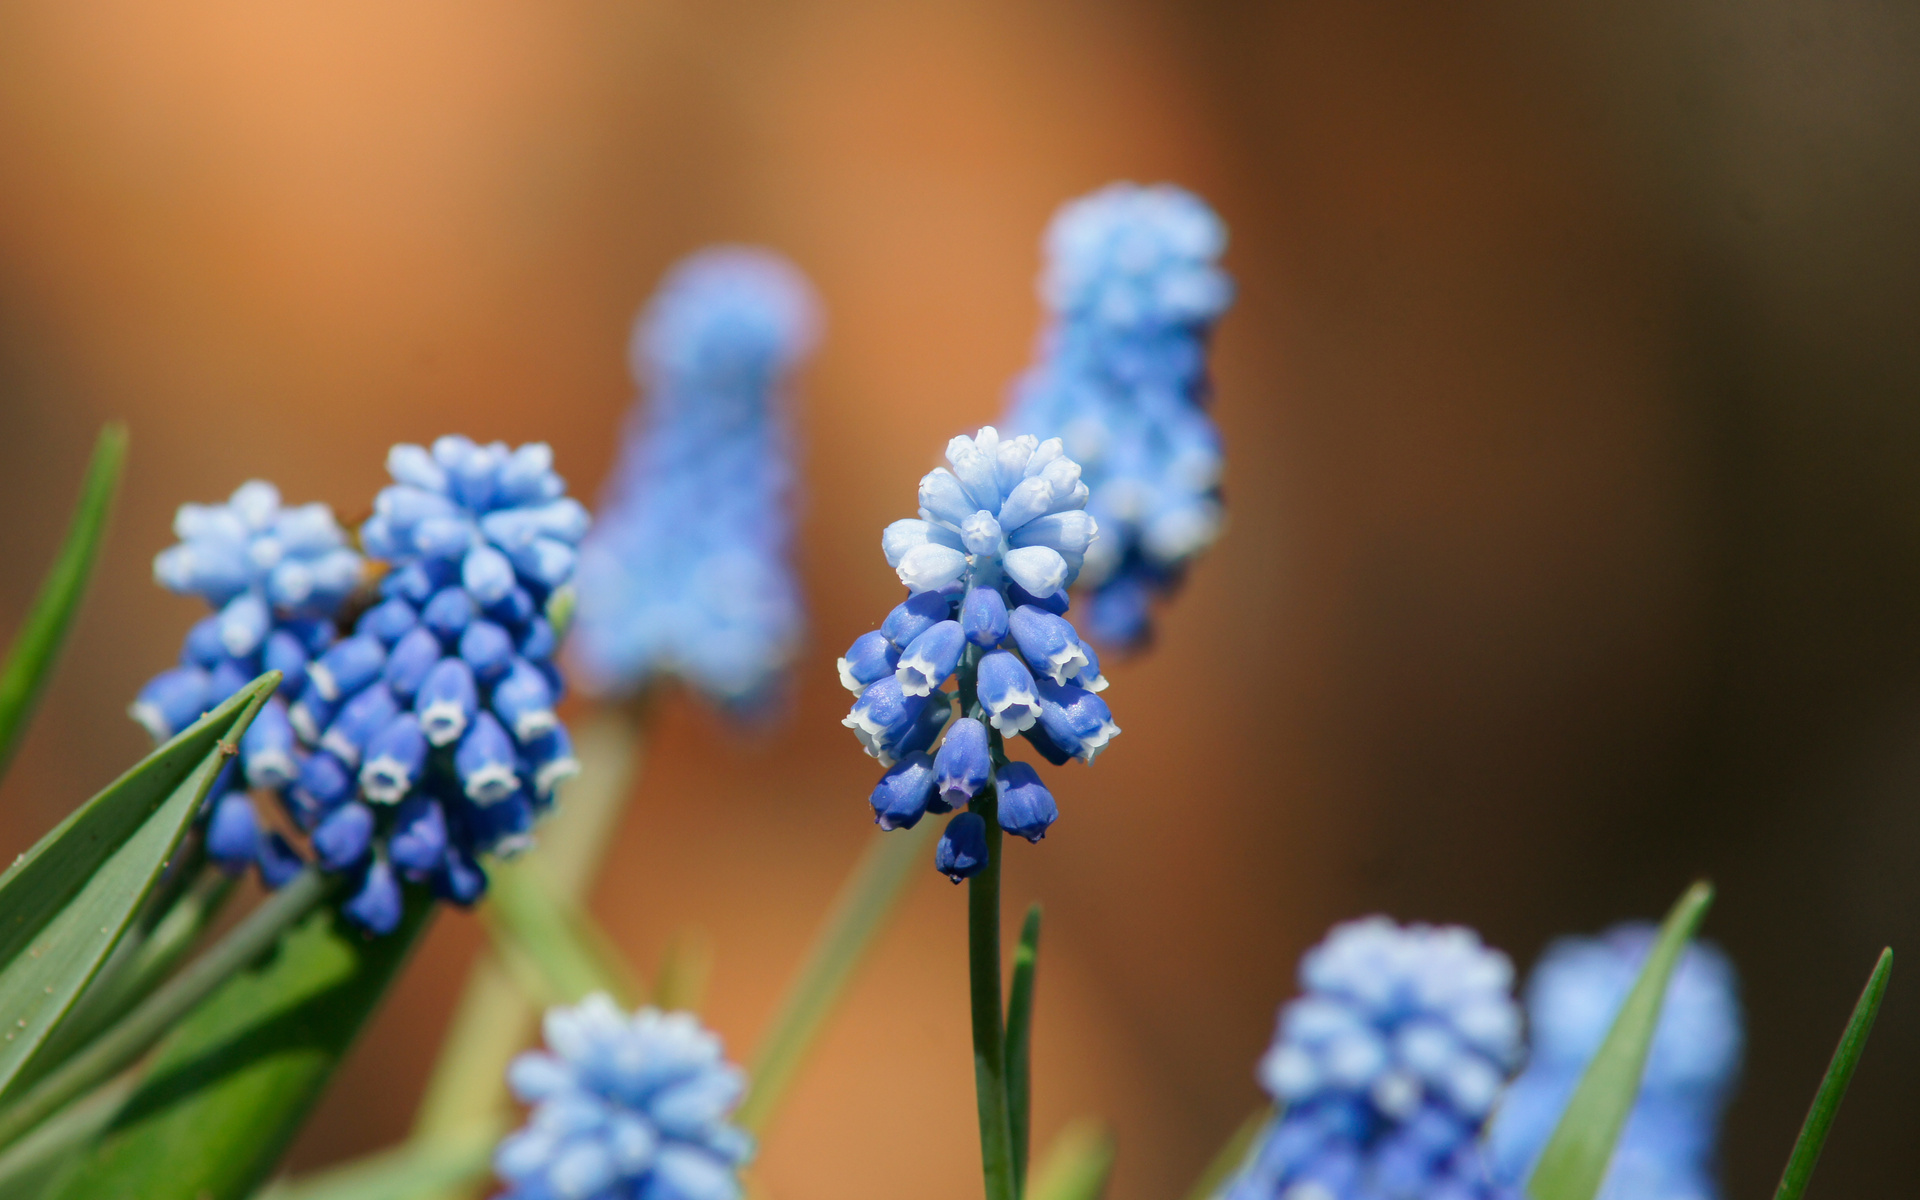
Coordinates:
<point>687,572</point>
<point>1002,533</point>
<point>1386,1068</point>
<point>1134,288</point>
<point>1667,1149</point>
<point>422,737</point>
<point>624,1106</point>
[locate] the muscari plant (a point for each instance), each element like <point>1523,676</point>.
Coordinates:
<point>366,719</point>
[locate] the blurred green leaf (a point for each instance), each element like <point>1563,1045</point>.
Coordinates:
<point>681,982</point>
<point>30,1165</point>
<point>415,1168</point>
<point>1020,1037</point>
<point>865,902</point>
<point>533,927</point>
<point>1833,1088</point>
<point>232,1084</point>
<point>68,900</point>
<point>1574,1163</point>
<point>1077,1164</point>
<point>1231,1157</point>
<point>30,658</point>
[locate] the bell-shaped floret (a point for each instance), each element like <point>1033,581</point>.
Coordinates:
<point>930,659</point>
<point>233,832</point>
<point>964,764</point>
<point>1026,806</point>
<point>551,757</point>
<point>387,621</point>
<point>870,657</point>
<point>962,852</point>
<point>882,716</point>
<point>900,798</point>
<point>1048,643</point>
<point>395,759</point>
<point>172,700</point>
<point>983,616</point>
<point>409,661</point>
<point>523,700</point>
<point>926,727</point>
<point>447,701</point>
<point>1078,721</point>
<point>1006,692</point>
<point>377,905</point>
<point>278,861</point>
<point>418,839</point>
<point>914,616</point>
<point>449,613</point>
<point>343,836</point>
<point>346,667</point>
<point>488,649</point>
<point>358,720</point>
<point>325,783</point>
<point>268,747</point>
<point>485,762</point>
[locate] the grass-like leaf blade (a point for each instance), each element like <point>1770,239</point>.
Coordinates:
<point>1077,1164</point>
<point>1833,1088</point>
<point>30,658</point>
<point>232,1083</point>
<point>1020,1039</point>
<point>1574,1163</point>
<point>538,931</point>
<point>1228,1160</point>
<point>410,1171</point>
<point>67,901</point>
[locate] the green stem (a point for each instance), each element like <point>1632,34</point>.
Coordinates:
<point>1020,1042</point>
<point>135,1033</point>
<point>989,1034</point>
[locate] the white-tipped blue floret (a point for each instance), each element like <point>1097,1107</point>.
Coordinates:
<point>1667,1150</point>
<point>294,560</point>
<point>1386,1067</point>
<point>1134,287</point>
<point>627,1105</point>
<point>688,571</point>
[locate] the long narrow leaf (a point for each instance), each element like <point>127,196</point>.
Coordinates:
<point>67,901</point>
<point>865,901</point>
<point>1020,1039</point>
<point>30,659</point>
<point>1833,1088</point>
<point>232,1084</point>
<point>1228,1160</point>
<point>530,924</point>
<point>1077,1165</point>
<point>681,982</point>
<point>1574,1163</point>
<point>406,1172</point>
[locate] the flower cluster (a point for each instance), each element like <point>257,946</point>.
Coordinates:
<point>624,1107</point>
<point>1134,289</point>
<point>422,737</point>
<point>1001,535</point>
<point>687,570</point>
<point>1666,1151</point>
<point>1386,1068</point>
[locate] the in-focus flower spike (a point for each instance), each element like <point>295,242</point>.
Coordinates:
<point>1667,1150</point>
<point>962,852</point>
<point>624,1106</point>
<point>688,572</point>
<point>1386,1068</point>
<point>1133,288</point>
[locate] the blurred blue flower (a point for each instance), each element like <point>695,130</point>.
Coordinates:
<point>1666,1151</point>
<point>1134,288</point>
<point>406,747</point>
<point>1002,533</point>
<point>1386,1067</point>
<point>624,1106</point>
<point>687,572</point>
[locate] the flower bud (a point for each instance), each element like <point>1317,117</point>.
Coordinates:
<point>964,763</point>
<point>1026,806</point>
<point>356,723</point>
<point>342,837</point>
<point>983,617</point>
<point>962,851</point>
<point>900,798</point>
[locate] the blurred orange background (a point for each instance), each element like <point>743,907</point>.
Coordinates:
<point>1570,406</point>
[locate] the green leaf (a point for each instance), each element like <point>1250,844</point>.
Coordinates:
<point>1231,1157</point>
<point>538,932</point>
<point>406,1172</point>
<point>30,659</point>
<point>1833,1088</point>
<point>865,901</point>
<point>68,900</point>
<point>1078,1163</point>
<point>1574,1163</point>
<point>1020,1037</point>
<point>681,982</point>
<point>30,1165</point>
<point>232,1084</point>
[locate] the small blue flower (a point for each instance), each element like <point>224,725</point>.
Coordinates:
<point>1386,1068</point>
<point>1666,1151</point>
<point>962,851</point>
<point>624,1106</point>
<point>1134,289</point>
<point>688,571</point>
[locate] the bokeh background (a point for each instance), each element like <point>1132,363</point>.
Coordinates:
<point>1571,411</point>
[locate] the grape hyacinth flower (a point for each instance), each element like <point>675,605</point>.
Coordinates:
<point>1666,1151</point>
<point>276,576</point>
<point>624,1106</point>
<point>1134,289</point>
<point>405,747</point>
<point>687,572</point>
<point>1386,1068</point>
<point>1002,533</point>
